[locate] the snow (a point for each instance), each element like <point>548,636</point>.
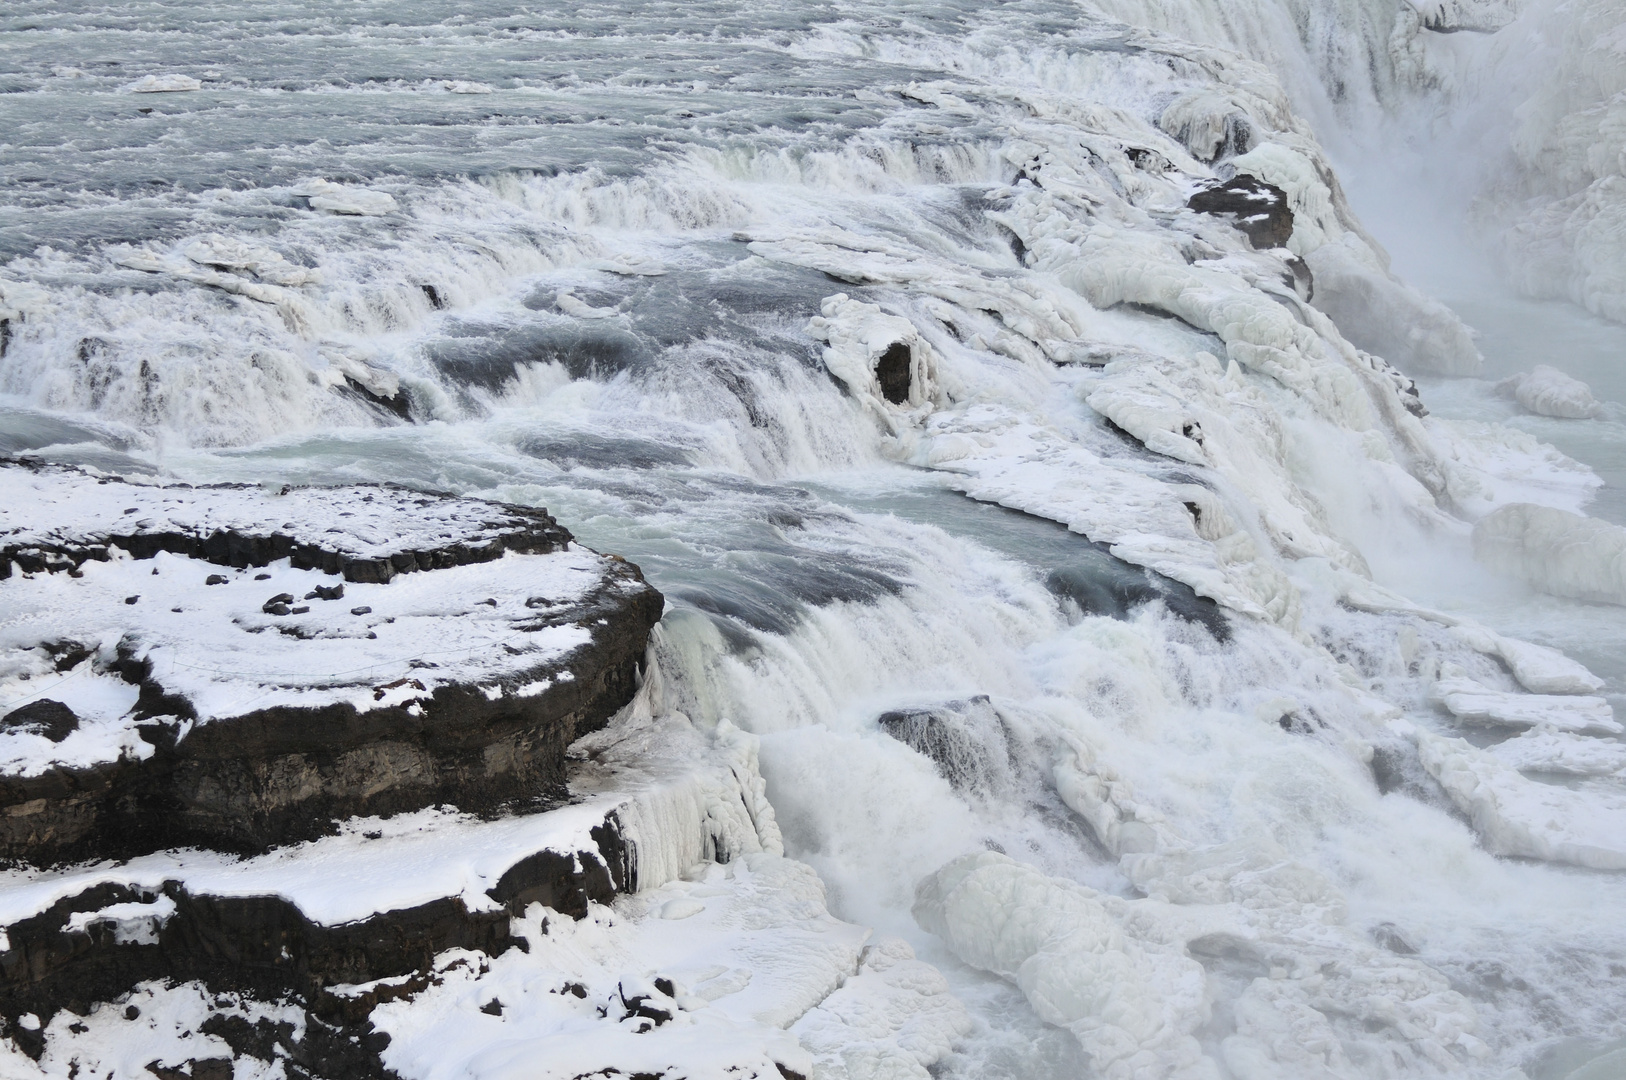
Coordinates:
<point>760,974</point>
<point>1517,816</point>
<point>1550,392</point>
<point>217,647</point>
<point>1557,551</point>
<point>1474,703</point>
<point>54,505</point>
<point>135,923</point>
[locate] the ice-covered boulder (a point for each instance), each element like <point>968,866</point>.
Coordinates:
<point>1556,551</point>
<point>164,84</point>
<point>880,358</point>
<point>1550,392</point>
<point>346,198</point>
<point>243,666</point>
<point>1084,962</point>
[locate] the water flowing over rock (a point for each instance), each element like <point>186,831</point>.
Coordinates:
<point>1044,638</point>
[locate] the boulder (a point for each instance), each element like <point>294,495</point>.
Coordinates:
<point>1259,209</point>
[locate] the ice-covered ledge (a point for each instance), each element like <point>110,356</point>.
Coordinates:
<point>152,693</point>
<point>355,919</point>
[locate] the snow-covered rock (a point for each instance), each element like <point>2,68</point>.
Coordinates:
<point>194,699</point>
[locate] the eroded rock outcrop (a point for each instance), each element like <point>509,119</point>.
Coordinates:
<point>242,710</point>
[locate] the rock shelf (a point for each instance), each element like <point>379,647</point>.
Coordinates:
<point>149,700</point>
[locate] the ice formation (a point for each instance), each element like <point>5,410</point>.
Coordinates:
<point>1556,551</point>
<point>1550,392</point>
<point>1475,703</point>
<point>1518,816</point>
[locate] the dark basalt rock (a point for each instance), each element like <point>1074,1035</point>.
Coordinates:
<point>966,740</point>
<point>477,739</point>
<point>283,774</point>
<point>1259,209</point>
<point>264,947</point>
<point>45,717</point>
<point>892,371</point>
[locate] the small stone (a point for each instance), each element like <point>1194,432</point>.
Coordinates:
<point>362,610</point>
<point>215,579</point>
<point>176,610</point>
<point>275,609</point>
<point>301,609</point>
<point>132,1013</point>
<point>489,600</point>
<point>329,592</point>
<point>262,577</point>
<point>155,571</point>
<point>132,509</point>
<point>131,599</point>
<point>492,1007</point>
<point>281,600</point>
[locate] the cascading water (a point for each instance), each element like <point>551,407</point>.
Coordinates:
<point>1091,593</point>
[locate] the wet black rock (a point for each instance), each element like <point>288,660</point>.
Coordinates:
<point>51,719</point>
<point>1259,209</point>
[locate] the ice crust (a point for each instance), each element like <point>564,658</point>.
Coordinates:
<point>1518,816</point>
<point>1475,703</point>
<point>1548,749</point>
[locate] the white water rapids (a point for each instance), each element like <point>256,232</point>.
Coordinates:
<point>1162,551</point>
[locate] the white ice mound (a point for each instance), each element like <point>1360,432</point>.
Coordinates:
<point>1385,316</point>
<point>888,1022</point>
<point>1546,749</point>
<point>226,253</point>
<point>1556,551</point>
<point>1133,1002</point>
<point>1517,816</point>
<point>1475,703</point>
<point>1550,392</point>
<point>880,358</point>
<point>344,199</point>
<point>164,84</point>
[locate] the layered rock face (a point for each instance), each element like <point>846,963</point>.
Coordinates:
<point>353,672</point>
